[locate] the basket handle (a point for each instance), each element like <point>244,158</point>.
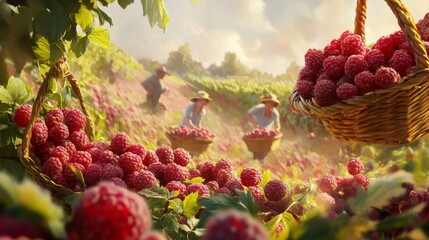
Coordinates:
<point>59,71</point>
<point>405,21</point>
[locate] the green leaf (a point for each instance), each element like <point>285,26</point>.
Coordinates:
<point>249,202</point>
<point>99,36</point>
<point>52,85</point>
<point>58,50</point>
<point>176,205</point>
<point>397,222</point>
<point>84,17</point>
<point>79,175</point>
<point>124,3</point>
<point>73,199</point>
<point>271,226</point>
<point>103,17</point>
<point>156,13</point>
<point>5,96</point>
<point>170,222</point>
<point>17,90</point>
<point>190,205</point>
<point>266,177</point>
<point>194,180</point>
<point>13,167</point>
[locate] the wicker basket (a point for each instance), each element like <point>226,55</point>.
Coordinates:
<point>393,116</point>
<point>31,162</point>
<point>192,145</point>
<point>258,145</point>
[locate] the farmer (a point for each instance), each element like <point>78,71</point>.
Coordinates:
<point>155,88</point>
<point>265,115</point>
<point>196,110</point>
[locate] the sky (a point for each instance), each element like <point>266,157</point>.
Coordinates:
<point>267,35</point>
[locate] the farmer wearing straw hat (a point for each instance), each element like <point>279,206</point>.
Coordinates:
<point>196,110</point>
<point>155,88</point>
<point>265,115</point>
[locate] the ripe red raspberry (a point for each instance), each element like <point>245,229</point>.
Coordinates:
<point>39,133</point>
<point>177,186</point>
<point>70,176</point>
<point>365,82</point>
<point>207,172</point>
<point>52,167</point>
<point>334,66</point>
<point>98,145</point>
<point>344,35</point>
<point>314,59</point>
<point>181,157</point>
<point>130,162</point>
<point>62,154</point>
<point>353,45</point>
<point>245,227</point>
<point>386,77</point>
<point>111,171</point>
<point>327,202</point>
<point>346,91</point>
<point>223,190</point>
<point>81,157</point>
<point>108,156</point>
<point>410,70</point>
<point>305,89</point>
<point>129,179</point>
<point>325,93</point>
<point>223,177</point>
<point>65,110</point>
<point>75,120</point>
<point>165,154</point>
<point>144,180</point>
<point>58,133</point>
<point>175,172</point>
<point>150,158</point>
<point>354,166</point>
<point>79,139</point>
<point>97,215</point>
<point>224,163</point>
<point>343,80</point>
<point>354,65</point>
<point>22,115</point>
<point>43,152</point>
<point>203,190</point>
<point>407,47</point>
<point>398,38</point>
<point>307,74</point>
<point>118,182</point>
<point>60,180</point>
<point>213,185</point>
<point>158,169</point>
<point>375,59</point>
<point>95,154</point>
<point>387,46</point>
<point>347,187</point>
<point>362,180</point>
<point>54,117</point>
<point>92,174</point>
<point>119,143</point>
<point>275,190</point>
<point>138,149</point>
<point>332,49</point>
<point>328,183</point>
<point>401,61</point>
<point>234,184</point>
<point>69,146</point>
<point>257,194</point>
<point>250,176</point>
<point>193,173</point>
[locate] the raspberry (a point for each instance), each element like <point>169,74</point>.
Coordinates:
<point>347,187</point>
<point>344,35</point>
<point>137,149</point>
<point>234,184</point>
<point>119,143</point>
<point>386,45</point>
<point>257,194</point>
<point>107,156</point>
<point>322,76</point>
<point>54,117</point>
<point>407,47</point>
<point>58,133</point>
<point>354,65</point>
<point>327,202</point>
<point>353,45</point>
<point>410,70</point>
<point>181,157</point>
<point>401,61</point>
<point>346,91</point>
<point>177,186</point>
<point>203,190</point>
<point>118,182</point>
<point>79,139</point>
<point>158,169</point>
<point>325,93</point>
<point>98,145</point>
<point>334,66</point>
<point>65,110</point>
<point>213,185</point>
<point>22,115</point>
<point>130,162</point>
<point>100,210</point>
<point>206,171</point>
<point>250,176</point>
<point>362,180</point>
<point>365,82</point>
<point>398,38</point>
<point>75,120</point>
<point>144,180</point>
<point>223,177</point>
<point>129,179</point>
<point>223,190</point>
<point>60,180</point>
<point>165,154</point>
<point>386,77</point>
<point>220,225</point>
<point>44,151</point>
<point>95,154</point>
<point>62,154</point>
<point>305,89</point>
<point>70,176</point>
<point>52,167</point>
<point>81,157</point>
<point>332,49</point>
<point>343,80</point>
<point>150,158</point>
<point>193,173</point>
<point>275,190</point>
<point>307,74</point>
<point>328,183</point>
<point>174,172</point>
<point>39,133</point>
<point>354,166</point>
<point>69,146</point>
<point>92,174</point>
<point>111,171</point>
<point>375,59</point>
<point>314,59</point>
<point>224,163</point>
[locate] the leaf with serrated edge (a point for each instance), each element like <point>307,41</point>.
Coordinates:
<point>176,205</point>
<point>5,96</point>
<point>84,17</point>
<point>190,205</point>
<point>17,90</point>
<point>99,36</point>
<point>194,180</point>
<point>266,177</point>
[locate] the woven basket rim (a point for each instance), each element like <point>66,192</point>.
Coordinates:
<point>262,139</point>
<point>205,140</point>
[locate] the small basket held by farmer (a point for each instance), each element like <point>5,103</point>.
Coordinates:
<point>155,88</point>
<point>195,111</point>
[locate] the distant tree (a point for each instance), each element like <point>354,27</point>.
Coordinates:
<point>182,63</point>
<point>232,66</point>
<point>291,73</point>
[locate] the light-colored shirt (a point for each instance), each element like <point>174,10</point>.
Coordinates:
<point>258,113</point>
<point>154,85</point>
<point>189,113</point>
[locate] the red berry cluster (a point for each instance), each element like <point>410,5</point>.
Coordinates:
<point>185,132</point>
<point>346,67</point>
<point>262,133</point>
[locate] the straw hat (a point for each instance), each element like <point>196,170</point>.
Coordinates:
<point>270,98</point>
<point>201,95</point>
<point>162,69</point>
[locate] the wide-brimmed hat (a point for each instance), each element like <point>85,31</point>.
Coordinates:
<point>269,98</point>
<point>162,69</point>
<point>201,95</point>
